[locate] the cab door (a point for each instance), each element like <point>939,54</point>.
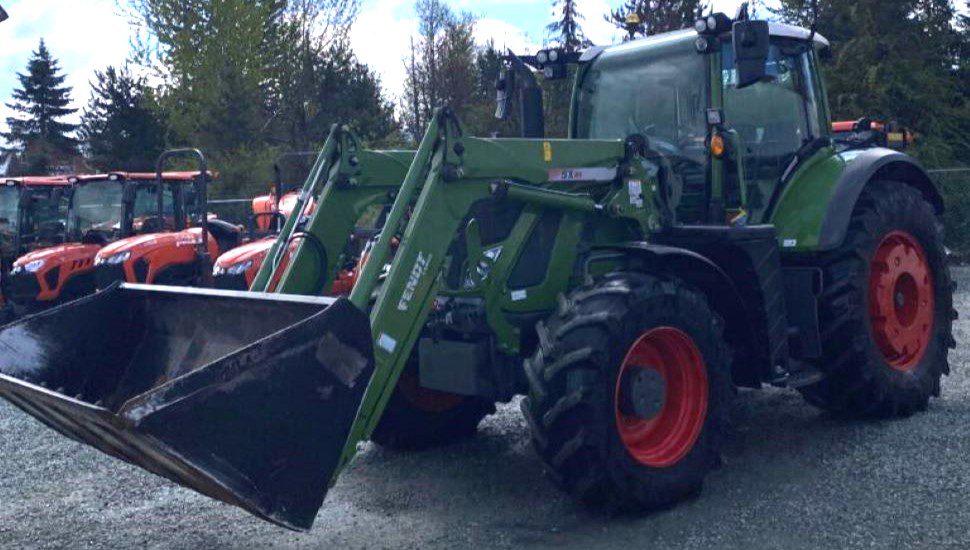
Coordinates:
<point>774,118</point>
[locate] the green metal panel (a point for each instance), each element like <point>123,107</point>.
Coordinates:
<point>801,210</point>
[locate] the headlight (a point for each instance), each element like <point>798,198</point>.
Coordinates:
<point>34,266</point>
<point>117,259</point>
<point>542,57</point>
<point>701,26</point>
<point>239,269</point>
<point>554,56</point>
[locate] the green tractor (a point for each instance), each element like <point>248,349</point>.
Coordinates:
<point>697,233</point>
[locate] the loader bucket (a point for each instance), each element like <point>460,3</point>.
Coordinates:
<point>246,398</point>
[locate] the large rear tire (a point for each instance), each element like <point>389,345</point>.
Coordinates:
<point>886,313</point>
<point>417,418</point>
<point>629,392</point>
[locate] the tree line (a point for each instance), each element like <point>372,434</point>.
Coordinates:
<point>246,80</point>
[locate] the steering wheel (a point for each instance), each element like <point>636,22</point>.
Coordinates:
<point>154,224</point>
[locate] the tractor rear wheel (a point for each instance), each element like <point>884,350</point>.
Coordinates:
<point>418,418</point>
<point>629,392</point>
<point>886,313</point>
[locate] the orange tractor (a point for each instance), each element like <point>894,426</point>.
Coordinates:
<point>236,269</point>
<point>33,212</point>
<point>177,243</point>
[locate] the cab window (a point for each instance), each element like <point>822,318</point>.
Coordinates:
<point>774,118</point>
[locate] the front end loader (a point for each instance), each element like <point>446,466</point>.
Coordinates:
<point>698,232</point>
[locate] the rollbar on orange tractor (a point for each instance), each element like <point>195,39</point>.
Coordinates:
<point>178,243</point>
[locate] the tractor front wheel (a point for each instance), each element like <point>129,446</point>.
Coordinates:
<point>887,310</point>
<point>629,392</point>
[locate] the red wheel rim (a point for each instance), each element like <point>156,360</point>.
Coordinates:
<point>663,440</point>
<point>901,301</point>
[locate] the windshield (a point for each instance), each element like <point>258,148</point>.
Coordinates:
<point>9,203</point>
<point>658,91</point>
<point>97,207</point>
<point>45,217</point>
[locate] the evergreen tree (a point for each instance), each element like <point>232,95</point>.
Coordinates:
<point>649,17</point>
<point>349,92</point>
<point>566,29</point>
<point>120,130</point>
<point>40,140</point>
<point>896,60</point>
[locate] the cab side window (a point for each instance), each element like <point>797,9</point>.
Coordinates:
<point>774,118</point>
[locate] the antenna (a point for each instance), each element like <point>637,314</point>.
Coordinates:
<point>814,27</point>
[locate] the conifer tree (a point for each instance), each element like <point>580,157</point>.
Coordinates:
<point>39,139</point>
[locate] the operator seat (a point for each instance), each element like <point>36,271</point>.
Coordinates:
<point>227,235</point>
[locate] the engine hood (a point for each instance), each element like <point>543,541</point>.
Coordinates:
<point>144,244</point>
<point>255,251</point>
<point>70,252</point>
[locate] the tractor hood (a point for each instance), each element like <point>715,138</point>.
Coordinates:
<point>255,251</point>
<point>73,252</point>
<point>145,244</point>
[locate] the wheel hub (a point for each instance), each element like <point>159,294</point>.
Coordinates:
<point>901,300</point>
<point>661,397</point>
<point>642,393</point>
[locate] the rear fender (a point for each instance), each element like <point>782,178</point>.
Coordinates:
<point>872,165</point>
<point>720,291</point>
<point>815,209</point>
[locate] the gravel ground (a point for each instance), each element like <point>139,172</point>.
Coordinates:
<point>792,478</point>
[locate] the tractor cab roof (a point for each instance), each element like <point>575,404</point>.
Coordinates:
<point>37,181</point>
<point>137,176</point>
<point>167,176</point>
<point>633,47</point>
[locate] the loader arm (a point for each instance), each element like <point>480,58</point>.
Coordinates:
<point>346,180</point>
<point>453,173</point>
<point>319,176</point>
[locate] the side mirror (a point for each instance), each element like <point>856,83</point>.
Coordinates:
<point>506,91</point>
<point>751,47</point>
<point>517,80</point>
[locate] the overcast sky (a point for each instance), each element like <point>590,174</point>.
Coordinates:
<point>85,35</point>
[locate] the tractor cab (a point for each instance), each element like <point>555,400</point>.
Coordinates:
<point>172,234</point>
<point>33,214</point>
<point>727,132</point>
